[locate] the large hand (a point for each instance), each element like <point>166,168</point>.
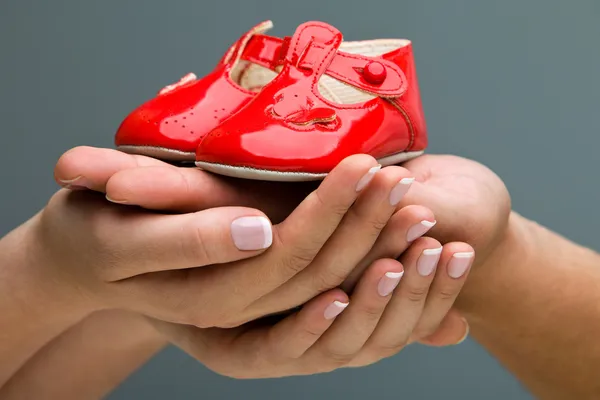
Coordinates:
<point>143,261</point>
<point>378,323</point>
<point>145,182</point>
<point>470,202</point>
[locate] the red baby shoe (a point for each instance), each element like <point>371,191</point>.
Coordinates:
<point>330,100</point>
<point>170,125</point>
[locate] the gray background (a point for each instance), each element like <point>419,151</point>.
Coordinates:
<point>513,84</point>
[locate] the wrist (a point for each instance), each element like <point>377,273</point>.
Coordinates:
<point>491,277</point>
<point>32,283</point>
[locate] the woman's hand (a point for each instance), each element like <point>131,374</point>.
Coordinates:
<point>210,268</point>
<point>470,202</point>
<point>391,303</point>
<point>151,184</point>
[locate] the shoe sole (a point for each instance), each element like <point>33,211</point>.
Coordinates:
<point>278,176</point>
<point>161,153</point>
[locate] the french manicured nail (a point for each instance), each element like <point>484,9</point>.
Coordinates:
<point>418,230</point>
<point>466,335</point>
<point>400,190</point>
<point>78,183</point>
<point>388,283</point>
<point>252,233</point>
<point>427,263</point>
<point>335,309</point>
<point>459,264</point>
<point>365,180</point>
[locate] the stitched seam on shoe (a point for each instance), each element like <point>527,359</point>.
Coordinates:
<point>408,121</point>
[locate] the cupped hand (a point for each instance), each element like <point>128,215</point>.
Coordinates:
<point>210,268</point>
<point>471,203</point>
<point>392,303</point>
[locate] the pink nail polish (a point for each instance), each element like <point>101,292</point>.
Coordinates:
<point>428,260</point>
<point>389,282</point>
<point>334,309</point>
<point>418,230</point>
<point>365,180</point>
<point>459,264</point>
<point>400,190</point>
<point>252,233</point>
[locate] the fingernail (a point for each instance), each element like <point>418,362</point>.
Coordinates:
<point>364,181</point>
<point>335,309</point>
<point>252,233</point>
<point>418,230</point>
<point>467,329</point>
<point>388,283</point>
<point>116,201</point>
<point>427,263</point>
<point>78,183</point>
<point>459,263</point>
<point>400,190</point>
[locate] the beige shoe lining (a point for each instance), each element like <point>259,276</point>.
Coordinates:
<point>254,77</point>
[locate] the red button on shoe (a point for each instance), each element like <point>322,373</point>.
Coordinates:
<point>328,102</point>
<point>171,125</point>
<point>374,72</point>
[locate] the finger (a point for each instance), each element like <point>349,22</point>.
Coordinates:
<point>300,237</point>
<point>353,238</point>
<point>340,344</point>
<point>453,330</point>
<point>453,268</point>
<point>405,226</point>
<point>295,242</point>
<point>293,336</point>
<point>205,345</point>
<point>172,242</point>
<point>190,189</point>
<point>90,167</point>
<point>404,310</point>
<point>255,351</point>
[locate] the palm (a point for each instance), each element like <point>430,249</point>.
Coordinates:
<point>470,202</point>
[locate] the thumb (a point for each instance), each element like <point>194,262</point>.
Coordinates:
<point>153,242</point>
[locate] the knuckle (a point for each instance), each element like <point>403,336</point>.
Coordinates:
<point>297,259</point>
<point>378,222</point>
<point>384,350</point>
<point>312,333</point>
<point>335,358</point>
<point>447,293</point>
<point>336,208</point>
<point>416,294</point>
<point>373,224</point>
<point>371,312</point>
<point>198,249</point>
<point>328,279</point>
